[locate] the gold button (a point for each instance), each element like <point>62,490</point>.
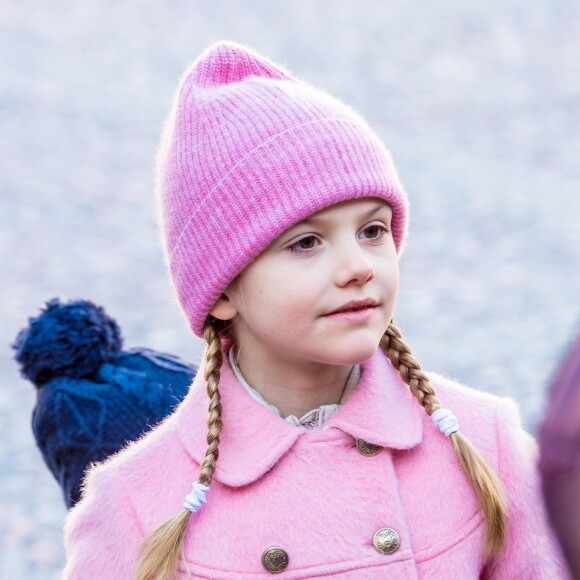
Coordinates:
<point>366,448</point>
<point>386,541</point>
<point>275,559</point>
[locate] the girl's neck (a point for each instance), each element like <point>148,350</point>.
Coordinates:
<point>294,388</point>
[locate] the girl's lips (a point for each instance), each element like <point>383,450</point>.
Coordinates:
<point>361,315</point>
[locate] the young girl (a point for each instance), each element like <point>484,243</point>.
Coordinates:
<point>327,451</point>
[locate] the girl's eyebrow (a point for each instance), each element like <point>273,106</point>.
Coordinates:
<point>314,221</point>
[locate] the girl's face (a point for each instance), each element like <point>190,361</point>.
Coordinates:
<point>281,305</point>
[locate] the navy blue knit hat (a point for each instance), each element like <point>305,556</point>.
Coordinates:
<point>92,397</point>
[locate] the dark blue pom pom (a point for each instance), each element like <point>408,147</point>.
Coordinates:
<point>71,339</point>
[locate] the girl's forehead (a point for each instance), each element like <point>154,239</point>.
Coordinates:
<point>362,207</point>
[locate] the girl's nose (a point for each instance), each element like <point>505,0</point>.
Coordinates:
<point>353,266</point>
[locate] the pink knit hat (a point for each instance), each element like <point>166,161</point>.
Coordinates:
<point>249,150</point>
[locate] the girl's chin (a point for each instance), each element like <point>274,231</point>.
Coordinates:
<point>354,354</point>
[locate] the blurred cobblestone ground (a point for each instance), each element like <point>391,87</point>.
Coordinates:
<point>478,101</point>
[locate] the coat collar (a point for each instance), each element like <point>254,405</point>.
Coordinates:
<point>381,410</point>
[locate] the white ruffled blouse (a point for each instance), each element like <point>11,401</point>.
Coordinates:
<point>315,418</point>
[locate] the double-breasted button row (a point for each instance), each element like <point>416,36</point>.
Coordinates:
<point>275,558</point>
<point>386,540</point>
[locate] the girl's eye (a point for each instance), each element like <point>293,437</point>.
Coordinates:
<point>374,232</point>
<point>304,244</point>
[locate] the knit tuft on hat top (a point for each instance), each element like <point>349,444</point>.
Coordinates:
<point>248,151</point>
<point>227,62</point>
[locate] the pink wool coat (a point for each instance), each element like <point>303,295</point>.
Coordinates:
<point>314,494</point>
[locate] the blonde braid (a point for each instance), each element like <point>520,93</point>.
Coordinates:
<point>486,483</point>
<point>162,547</point>
<point>214,361</point>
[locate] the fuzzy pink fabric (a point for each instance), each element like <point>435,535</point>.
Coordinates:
<point>315,495</point>
<point>248,151</point>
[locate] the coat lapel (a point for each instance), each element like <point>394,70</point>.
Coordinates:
<point>380,410</point>
<point>252,438</point>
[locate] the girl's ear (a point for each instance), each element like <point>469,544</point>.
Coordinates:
<point>223,309</point>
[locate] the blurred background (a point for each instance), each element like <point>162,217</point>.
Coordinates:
<point>479,103</point>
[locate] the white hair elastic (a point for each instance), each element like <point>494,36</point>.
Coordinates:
<point>445,421</point>
<point>197,497</point>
